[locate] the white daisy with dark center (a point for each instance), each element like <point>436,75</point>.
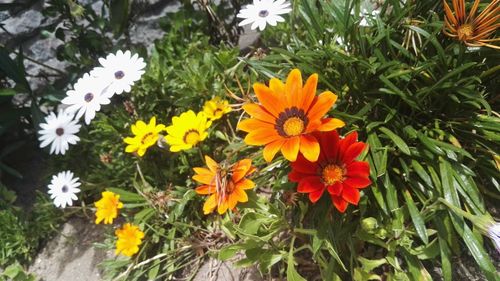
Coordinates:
<point>59,131</point>
<point>263,12</point>
<point>120,70</point>
<point>494,233</point>
<point>63,189</point>
<point>86,97</point>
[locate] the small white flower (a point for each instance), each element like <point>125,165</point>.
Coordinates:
<point>63,189</point>
<point>263,12</point>
<point>59,130</point>
<point>87,97</point>
<point>494,233</point>
<point>121,71</point>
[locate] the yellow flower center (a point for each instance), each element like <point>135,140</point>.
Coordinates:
<point>293,126</point>
<point>148,138</point>
<point>332,174</point>
<point>465,31</point>
<point>191,137</point>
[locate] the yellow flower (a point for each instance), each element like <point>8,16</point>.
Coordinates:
<point>129,239</point>
<point>146,135</point>
<point>107,207</point>
<point>215,108</point>
<point>187,130</point>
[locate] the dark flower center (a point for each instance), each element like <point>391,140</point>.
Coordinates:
<point>119,74</point>
<point>64,189</point>
<point>263,13</point>
<point>59,131</point>
<point>291,122</point>
<point>88,97</point>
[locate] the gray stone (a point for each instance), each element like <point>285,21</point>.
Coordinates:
<point>70,255</point>
<point>214,269</point>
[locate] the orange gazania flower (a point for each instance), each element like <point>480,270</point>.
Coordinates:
<point>336,170</point>
<point>287,115</point>
<point>473,30</point>
<point>226,185</point>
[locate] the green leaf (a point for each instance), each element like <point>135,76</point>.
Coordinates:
<point>119,14</point>
<point>291,273</point>
<point>399,142</point>
<point>127,196</point>
<point>417,219</point>
<point>13,70</point>
<point>7,92</point>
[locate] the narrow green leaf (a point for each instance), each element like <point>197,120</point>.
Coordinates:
<point>127,196</point>
<point>417,219</point>
<point>291,273</point>
<point>399,142</point>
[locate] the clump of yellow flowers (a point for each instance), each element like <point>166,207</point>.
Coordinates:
<point>216,108</point>
<point>145,136</point>
<point>129,239</point>
<point>107,207</point>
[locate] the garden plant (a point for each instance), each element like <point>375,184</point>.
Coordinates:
<point>352,140</point>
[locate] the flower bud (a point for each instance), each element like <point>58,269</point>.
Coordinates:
<point>369,224</point>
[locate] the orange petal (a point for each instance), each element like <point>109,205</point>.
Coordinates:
<point>309,147</point>
<point>204,178</point>
<point>223,206</point>
<point>271,149</point>
<point>261,137</point>
<point>269,100</point>
<point>323,103</point>
<point>309,92</point>
<point>245,184</point>
<point>205,189</point>
<point>277,86</point>
<point>241,169</point>
<point>200,170</point>
<point>211,164</point>
<point>210,204</point>
<point>259,112</point>
<point>290,148</point>
<point>330,124</point>
<point>240,194</point>
<point>293,88</point>
<point>251,124</point>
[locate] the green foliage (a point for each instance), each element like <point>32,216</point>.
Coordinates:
<point>24,231</point>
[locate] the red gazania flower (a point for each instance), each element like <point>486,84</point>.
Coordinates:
<point>287,115</point>
<point>336,170</point>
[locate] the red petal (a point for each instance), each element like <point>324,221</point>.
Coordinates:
<point>302,165</point>
<point>350,194</point>
<point>347,141</point>
<point>296,176</point>
<point>329,143</point>
<point>335,189</point>
<point>359,169</point>
<point>339,203</point>
<point>315,195</point>
<point>310,184</point>
<point>356,182</point>
<point>352,152</point>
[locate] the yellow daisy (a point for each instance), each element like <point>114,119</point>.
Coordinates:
<point>216,108</point>
<point>187,130</point>
<point>146,135</point>
<point>129,239</point>
<point>107,207</point>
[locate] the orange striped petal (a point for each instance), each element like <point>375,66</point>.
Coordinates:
<point>269,100</point>
<point>271,149</point>
<point>211,164</point>
<point>324,102</point>
<point>293,88</point>
<point>240,195</point>
<point>309,147</point>
<point>210,204</point>
<point>261,137</point>
<point>251,124</point>
<point>309,92</point>
<point>205,189</point>
<point>259,112</point>
<point>245,184</point>
<point>277,86</point>
<point>290,148</point>
<point>241,169</point>
<point>330,124</point>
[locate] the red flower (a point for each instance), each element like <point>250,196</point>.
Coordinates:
<point>336,170</point>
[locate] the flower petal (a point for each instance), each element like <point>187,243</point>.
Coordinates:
<point>205,189</point>
<point>316,195</point>
<point>261,137</point>
<point>269,100</point>
<point>252,124</point>
<point>293,88</point>
<point>290,148</point>
<point>350,194</point>
<point>329,124</point>
<point>356,182</point>
<point>339,203</point>
<point>309,147</point>
<point>309,92</point>
<point>271,149</point>
<point>352,152</point>
<point>210,204</point>
<point>322,105</point>
<point>310,184</point>
<point>259,112</point>
<point>358,169</point>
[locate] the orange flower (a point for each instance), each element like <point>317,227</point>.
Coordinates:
<point>225,185</point>
<point>473,30</point>
<point>336,171</point>
<point>287,115</point>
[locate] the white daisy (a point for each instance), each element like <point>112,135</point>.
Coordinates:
<point>263,12</point>
<point>86,97</point>
<point>121,71</point>
<point>59,130</point>
<point>494,233</point>
<point>63,189</point>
